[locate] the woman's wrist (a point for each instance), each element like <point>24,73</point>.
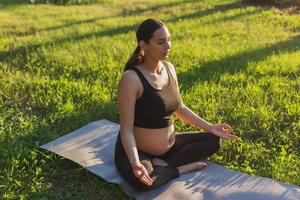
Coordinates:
<point>135,163</point>
<point>209,128</point>
<point>202,123</point>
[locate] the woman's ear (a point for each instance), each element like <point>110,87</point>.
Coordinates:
<point>143,45</point>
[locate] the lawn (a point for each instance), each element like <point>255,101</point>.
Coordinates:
<point>60,65</point>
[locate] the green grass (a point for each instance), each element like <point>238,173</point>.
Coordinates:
<point>60,65</point>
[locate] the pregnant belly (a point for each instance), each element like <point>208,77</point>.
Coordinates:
<point>154,141</point>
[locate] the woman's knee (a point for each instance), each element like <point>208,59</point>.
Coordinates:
<point>216,143</point>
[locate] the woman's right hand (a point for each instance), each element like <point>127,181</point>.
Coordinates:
<point>223,131</point>
<point>141,173</point>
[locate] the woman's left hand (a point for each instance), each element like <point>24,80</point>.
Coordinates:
<point>223,131</point>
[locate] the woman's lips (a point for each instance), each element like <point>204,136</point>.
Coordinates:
<point>165,53</point>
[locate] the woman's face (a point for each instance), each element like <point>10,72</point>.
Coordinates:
<point>159,45</point>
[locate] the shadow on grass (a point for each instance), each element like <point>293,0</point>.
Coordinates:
<point>23,51</point>
<point>75,182</point>
<point>63,175</point>
<point>212,70</point>
<point>206,12</point>
<point>5,3</point>
<point>33,31</point>
<point>156,7</point>
<point>205,72</point>
<point>231,17</point>
<point>124,13</point>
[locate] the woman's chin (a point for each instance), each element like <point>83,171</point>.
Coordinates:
<point>164,57</point>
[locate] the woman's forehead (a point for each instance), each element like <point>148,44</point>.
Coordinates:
<point>162,32</point>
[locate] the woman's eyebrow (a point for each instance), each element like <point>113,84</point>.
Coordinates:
<point>164,38</point>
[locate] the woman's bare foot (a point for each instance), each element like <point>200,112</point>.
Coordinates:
<point>160,162</point>
<point>183,169</point>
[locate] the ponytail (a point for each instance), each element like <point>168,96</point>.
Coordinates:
<point>135,59</point>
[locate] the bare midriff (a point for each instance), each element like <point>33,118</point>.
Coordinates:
<point>154,141</point>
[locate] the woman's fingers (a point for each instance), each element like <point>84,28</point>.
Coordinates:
<point>147,180</point>
<point>142,174</point>
<point>147,177</point>
<point>228,136</point>
<point>226,127</point>
<point>232,137</point>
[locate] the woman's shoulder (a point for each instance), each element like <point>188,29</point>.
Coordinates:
<point>130,77</point>
<point>168,63</point>
<point>171,68</point>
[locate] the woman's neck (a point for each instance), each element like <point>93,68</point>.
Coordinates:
<point>151,65</point>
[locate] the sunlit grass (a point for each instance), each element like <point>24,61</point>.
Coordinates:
<point>60,65</point>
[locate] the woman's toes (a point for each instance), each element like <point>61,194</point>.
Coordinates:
<point>200,165</point>
<point>191,167</point>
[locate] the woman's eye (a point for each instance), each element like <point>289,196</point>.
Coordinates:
<point>163,41</point>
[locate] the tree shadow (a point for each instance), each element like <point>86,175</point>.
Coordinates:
<point>7,3</point>
<point>232,17</point>
<point>124,13</point>
<point>23,51</point>
<point>206,182</point>
<point>206,72</point>
<point>55,168</point>
<point>240,185</point>
<point>74,180</point>
<point>213,70</point>
<point>206,12</point>
<point>139,11</point>
<point>34,31</point>
<point>276,3</point>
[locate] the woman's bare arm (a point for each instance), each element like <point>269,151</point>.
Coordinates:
<point>127,95</point>
<point>184,113</point>
<point>190,117</point>
<point>128,91</point>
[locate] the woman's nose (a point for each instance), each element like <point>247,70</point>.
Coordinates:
<point>168,46</point>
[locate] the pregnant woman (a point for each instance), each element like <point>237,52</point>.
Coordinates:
<point>148,150</point>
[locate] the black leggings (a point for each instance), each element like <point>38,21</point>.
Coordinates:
<point>188,147</point>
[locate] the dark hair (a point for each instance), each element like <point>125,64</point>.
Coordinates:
<point>144,32</point>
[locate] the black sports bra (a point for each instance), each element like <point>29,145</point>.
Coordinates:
<point>155,107</point>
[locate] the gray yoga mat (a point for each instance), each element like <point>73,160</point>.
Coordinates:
<point>92,146</point>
